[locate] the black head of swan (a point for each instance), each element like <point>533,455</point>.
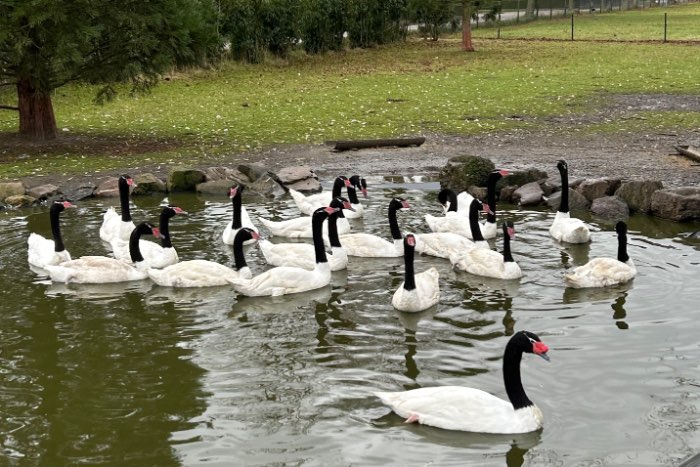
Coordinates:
<point>359,183</point>
<point>167,213</point>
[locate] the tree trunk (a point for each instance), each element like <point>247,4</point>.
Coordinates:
<point>467,45</point>
<point>36,118</point>
<point>530,9</point>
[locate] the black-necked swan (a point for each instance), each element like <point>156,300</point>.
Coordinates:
<point>417,292</point>
<point>356,183</point>
<point>371,246</point>
<point>203,273</point>
<point>300,227</point>
<point>468,409</point>
<point>101,269</point>
<point>490,263</point>
<point>448,244</point>
<point>113,225</point>
<point>302,255</point>
<point>240,216</point>
<point>156,256</point>
<point>284,280</point>
<point>308,204</point>
<point>459,205</point>
<point>604,272</point>
<point>43,252</point>
<point>566,228</point>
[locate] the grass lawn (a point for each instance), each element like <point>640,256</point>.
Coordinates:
<point>403,89</point>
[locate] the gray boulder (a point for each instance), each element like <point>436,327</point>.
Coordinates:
<point>598,187</point>
<point>610,207</point>
<point>43,191</point>
<point>478,192</point>
<point>506,194</point>
<point>75,191</point>
<point>183,179</point>
<point>309,185</point>
<point>461,172</point>
<point>529,194</point>
<point>252,171</point>
<point>637,194</point>
<point>289,175</point>
<point>678,204</point>
<point>266,186</point>
<point>147,184</point>
<point>225,173</point>
<point>216,187</point>
<point>109,188</point>
<point>522,177</point>
<point>577,202</point>
<point>11,189</point>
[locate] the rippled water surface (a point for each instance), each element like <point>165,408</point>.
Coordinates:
<point>140,375</point>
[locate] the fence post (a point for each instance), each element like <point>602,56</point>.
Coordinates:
<point>498,36</point>
<point>665,25</point>
<point>572,26</point>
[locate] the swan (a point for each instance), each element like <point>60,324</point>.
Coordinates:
<point>372,246</point>
<point>203,273</point>
<point>240,216</point>
<point>459,205</point>
<point>417,292</point>
<point>603,272</point>
<point>447,244</point>
<point>302,255</point>
<point>490,263</point>
<point>308,204</point>
<point>284,280</point>
<point>468,409</point>
<point>156,256</point>
<point>566,228</point>
<point>43,252</point>
<point>356,183</point>
<point>115,226</point>
<point>101,269</point>
<point>301,227</point>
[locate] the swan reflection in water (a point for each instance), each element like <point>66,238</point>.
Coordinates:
<point>108,291</point>
<point>410,323</point>
<point>517,445</point>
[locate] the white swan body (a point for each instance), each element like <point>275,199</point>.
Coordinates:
<point>371,246</point>
<point>299,227</point>
<point>564,227</point>
<point>417,292</point>
<point>115,226</point>
<point>569,229</point>
<point>473,410</point>
<point>308,204</point>
<point>42,252</point>
<point>443,244</point>
<point>285,280</point>
<point>302,255</point>
<point>155,255</point>
<point>202,273</point>
<point>240,217</point>
<point>488,263</point>
<point>604,272</point>
<point>101,269</point>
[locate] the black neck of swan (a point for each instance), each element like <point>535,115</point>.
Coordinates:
<point>164,227</point>
<point>333,229</point>
<point>236,222</point>
<point>507,255</point>
<point>337,187</point>
<point>409,281</point>
<point>124,199</point>
<point>134,249</point>
<point>238,256</point>
<point>491,196</point>
<point>452,198</point>
<point>622,246</point>
<point>393,223</point>
<point>352,195</point>
<point>474,209</point>
<point>511,376</point>
<point>564,202</point>
<point>317,232</point>
<point>54,212</point>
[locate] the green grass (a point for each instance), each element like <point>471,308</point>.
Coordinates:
<point>404,89</point>
<point>629,25</point>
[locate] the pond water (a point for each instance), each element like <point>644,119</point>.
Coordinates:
<point>140,375</point>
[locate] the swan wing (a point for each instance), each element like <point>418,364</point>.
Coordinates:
<point>300,255</point>
<point>601,272</point>
<point>308,204</point>
<point>281,281</point>
<point>442,244</point>
<point>94,270</point>
<point>41,252</point>
<point>369,246</point>
<point>425,295</point>
<point>454,408</point>
<point>569,229</point>
<point>193,273</point>
<point>481,262</point>
<point>110,225</point>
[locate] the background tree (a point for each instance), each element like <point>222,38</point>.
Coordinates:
<point>374,22</point>
<point>322,24</point>
<point>433,14</point>
<point>45,44</point>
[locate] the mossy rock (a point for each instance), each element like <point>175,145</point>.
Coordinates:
<point>147,184</point>
<point>185,179</point>
<point>521,177</point>
<point>461,172</point>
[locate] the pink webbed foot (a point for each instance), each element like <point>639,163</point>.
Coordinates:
<point>413,418</point>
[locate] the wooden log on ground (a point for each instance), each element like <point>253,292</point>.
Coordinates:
<point>689,151</point>
<point>345,145</point>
